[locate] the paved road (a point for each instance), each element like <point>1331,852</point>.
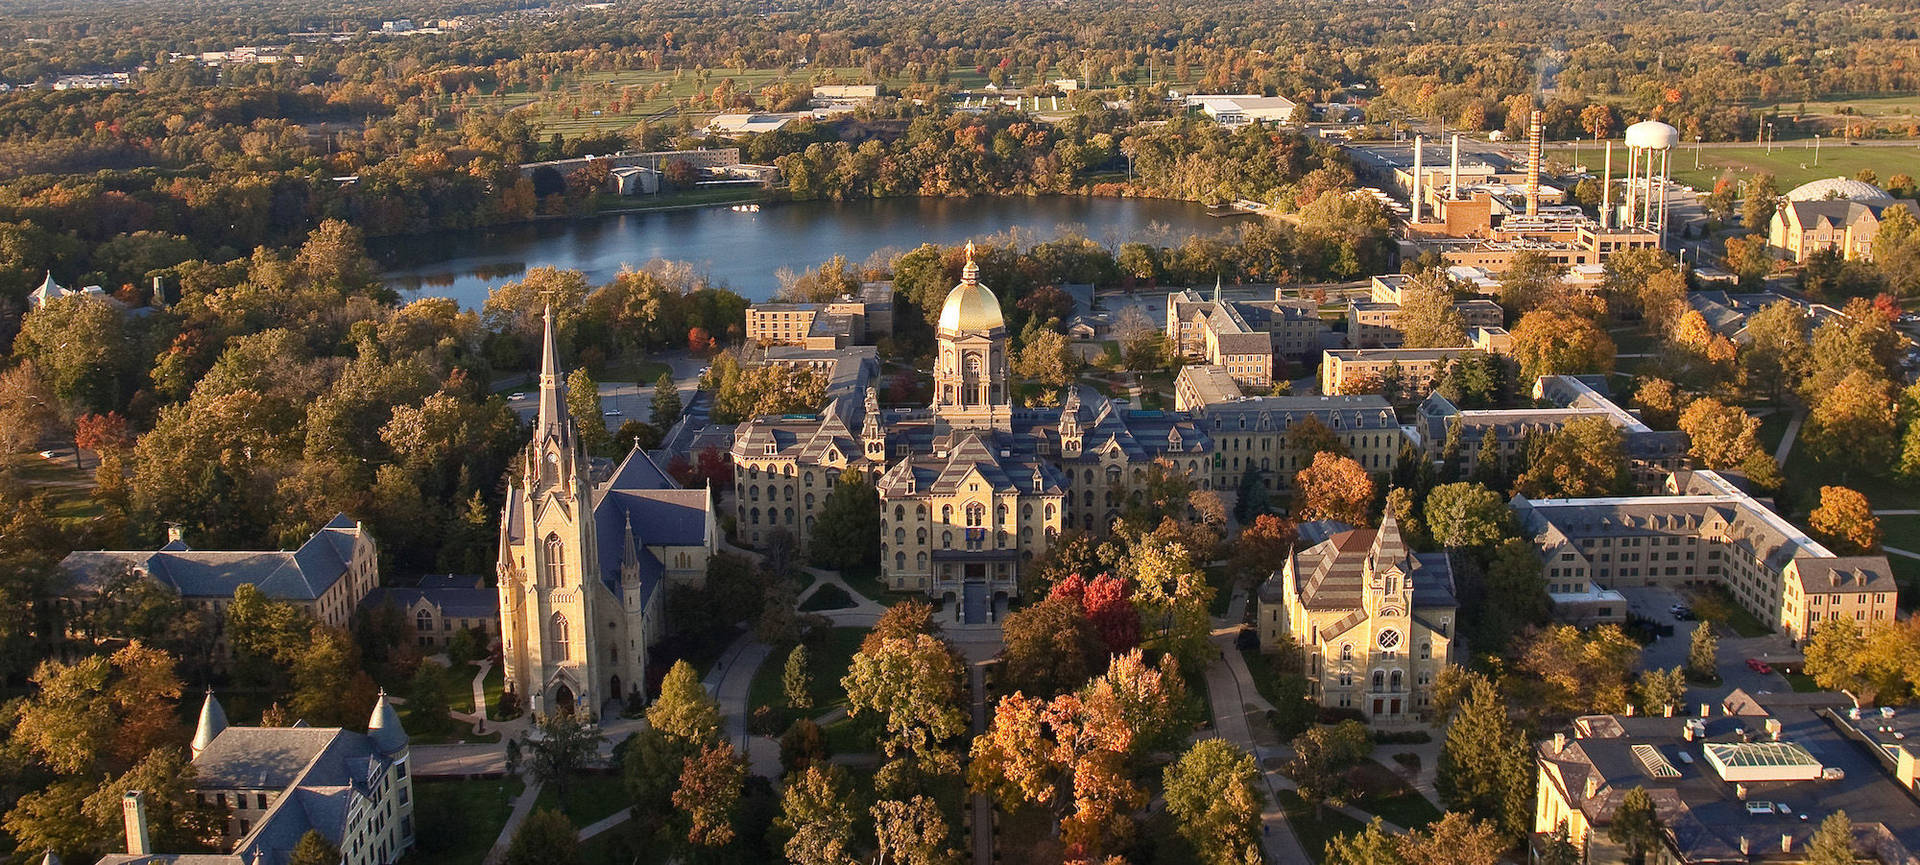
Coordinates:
<point>624,401</point>
<point>1731,657</point>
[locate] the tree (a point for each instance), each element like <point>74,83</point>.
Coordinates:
<point>1213,791</point>
<point>27,408</point>
<point>1486,766</point>
<point>1657,690</point>
<point>816,819</point>
<point>684,711</point>
<point>1587,457</point>
<point>1048,358</point>
<point>1877,664</point>
<point>665,410</point>
<point>1832,843</point>
<point>1466,515</point>
<point>1531,278</point>
<point>903,620</point>
<point>1428,317</point>
<point>912,684</point>
<point>1723,436</point>
<point>564,746</point>
<point>1308,437</point>
<point>1635,825</point>
<point>1553,342</point>
<point>1851,427</point>
<point>847,534</point>
<point>1776,352</point>
<point>546,836</point>
<point>1845,521</point>
<point>1582,671</point>
<point>796,682</point>
<point>1373,845</point>
<point>1663,298</point>
<point>1515,594</point>
<point>1050,647</point>
<point>709,794</point>
<point>1332,488</point>
<point>1259,546</point>
<point>1660,403</point>
<point>314,849</point>
<point>583,402</point>
<point>1322,757</point>
<point>1703,653</point>
<point>79,344</point>
<point>912,832</point>
<point>1759,198</point>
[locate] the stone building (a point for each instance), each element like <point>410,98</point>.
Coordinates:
<point>1374,620</point>
<point>584,563</point>
<point>440,606</point>
<point>1651,454</point>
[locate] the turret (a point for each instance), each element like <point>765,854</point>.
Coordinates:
<point>213,719</point>
<point>1070,424</point>
<point>385,730</point>
<point>873,433</point>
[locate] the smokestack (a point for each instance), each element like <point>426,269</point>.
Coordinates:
<point>1453,179</point>
<point>133,807</point>
<point>1533,164</point>
<point>1417,169</point>
<point>1606,198</point>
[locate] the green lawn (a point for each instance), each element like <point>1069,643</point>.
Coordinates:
<point>826,663</point>
<point>829,597</point>
<point>459,820</point>
<point>597,96</point>
<point>1314,832</point>
<point>69,490</point>
<point>496,687</point>
<point>1773,426</point>
<point>589,799</point>
<point>1801,682</point>
<point>1717,606</point>
<point>867,582</point>
<point>1791,162</point>
<point>636,370</point>
<point>1221,579</point>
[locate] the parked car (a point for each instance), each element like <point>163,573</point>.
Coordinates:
<point>612,412</point>
<point>516,396</point>
<point>1759,666</point>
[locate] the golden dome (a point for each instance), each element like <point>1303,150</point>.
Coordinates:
<point>970,306</point>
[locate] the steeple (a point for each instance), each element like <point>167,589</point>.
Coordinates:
<point>213,719</point>
<point>1216,288</point>
<point>384,727</point>
<point>873,431</point>
<point>553,395</point>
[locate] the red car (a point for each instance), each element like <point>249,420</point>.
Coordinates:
<point>1759,666</point>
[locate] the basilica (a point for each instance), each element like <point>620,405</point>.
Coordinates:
<point>586,553</point>
<point>972,487</point>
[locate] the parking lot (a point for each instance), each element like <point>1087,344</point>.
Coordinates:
<point>1656,604</point>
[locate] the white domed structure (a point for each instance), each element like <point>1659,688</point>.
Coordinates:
<point>1652,135</point>
<point>1838,189</point>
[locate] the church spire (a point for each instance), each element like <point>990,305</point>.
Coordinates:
<point>213,719</point>
<point>553,397</point>
<point>1216,288</point>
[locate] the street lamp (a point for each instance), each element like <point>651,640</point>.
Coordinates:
<point>1696,153</point>
<point>1816,150</point>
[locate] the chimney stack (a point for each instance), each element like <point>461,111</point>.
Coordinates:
<point>133,807</point>
<point>1417,169</point>
<point>1453,180</point>
<point>1774,728</point>
<point>1669,710</point>
<point>1786,842</point>
<point>1706,710</point>
<point>1559,742</point>
<point>176,534</point>
<point>1533,164</point>
<point>1746,847</point>
<point>1606,189</point>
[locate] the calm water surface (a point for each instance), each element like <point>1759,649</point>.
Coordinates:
<point>744,250</point>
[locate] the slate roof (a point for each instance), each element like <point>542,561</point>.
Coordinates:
<point>1332,574</point>
<point>460,602</point>
<point>289,575</point>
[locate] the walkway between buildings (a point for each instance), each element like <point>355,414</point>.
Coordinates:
<point>521,808</point>
<point>1786,439</point>
<point>1232,694</point>
<point>982,806</point>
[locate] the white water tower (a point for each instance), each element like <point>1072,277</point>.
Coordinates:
<point>1650,146</point>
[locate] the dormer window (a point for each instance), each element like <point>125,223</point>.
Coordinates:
<point>772,449</point>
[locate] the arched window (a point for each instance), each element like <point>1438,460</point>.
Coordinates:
<point>920,561</point>
<point>899,513</point>
<point>562,638</point>
<point>1397,680</point>
<point>899,536</point>
<point>1346,651</point>
<point>556,561</point>
<point>920,536</point>
<point>789,492</point>
<point>946,540</point>
<point>1426,651</point>
<point>976,514</point>
<point>1049,510</point>
<point>789,516</point>
<point>809,501</point>
<point>1379,679</point>
<point>899,561</point>
<point>423,621</point>
<point>755,516</point>
<point>753,493</point>
<point>946,514</point>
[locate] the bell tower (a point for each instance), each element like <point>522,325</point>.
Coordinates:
<point>970,370</point>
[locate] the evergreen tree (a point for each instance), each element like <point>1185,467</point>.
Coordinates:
<point>314,849</point>
<point>1254,499</point>
<point>666,402</point>
<point>797,682</point>
<point>847,535</point>
<point>1485,768</point>
<point>1489,468</point>
<point>1635,825</point>
<point>1702,652</point>
<point>1832,843</point>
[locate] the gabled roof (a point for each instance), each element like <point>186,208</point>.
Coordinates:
<point>304,574</point>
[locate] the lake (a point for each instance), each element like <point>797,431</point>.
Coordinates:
<point>744,250</point>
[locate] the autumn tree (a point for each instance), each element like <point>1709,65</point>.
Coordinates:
<point>1555,342</point>
<point>562,749</point>
<point>683,710</point>
<point>1851,427</point>
<point>1845,521</point>
<point>1832,843</point>
<point>1427,317</point>
<point>815,817</point>
<point>709,795</point>
<point>913,686</point>
<point>28,410</point>
<point>1759,198</point>
<point>1776,352</point>
<point>1172,595</point>
<point>1659,402</point>
<point>1050,647</point>
<point>904,620</point>
<point>1703,653</point>
<point>1582,671</point>
<point>1048,358</point>
<point>1722,436</point>
<point>1214,792</point>
<point>1333,488</point>
<point>912,832</point>
<point>1879,663</point>
<point>1587,457</point>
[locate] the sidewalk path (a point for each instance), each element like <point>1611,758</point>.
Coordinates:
<point>480,689</point>
<point>617,818</point>
<point>1230,705</point>
<point>1899,552</point>
<point>1896,512</point>
<point>982,806</point>
<point>729,681</point>
<point>521,808</point>
<point>1786,439</point>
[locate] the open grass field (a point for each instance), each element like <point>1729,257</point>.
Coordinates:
<point>589,798</point>
<point>459,820</point>
<point>69,490</point>
<point>1886,109</point>
<point>1316,832</point>
<point>592,102</point>
<point>1790,162</point>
